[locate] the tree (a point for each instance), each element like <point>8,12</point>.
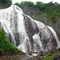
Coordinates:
<point>25,3</point>
<point>7,2</point>
<point>18,4</point>
<point>41,6</point>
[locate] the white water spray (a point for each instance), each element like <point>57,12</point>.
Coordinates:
<point>26,33</point>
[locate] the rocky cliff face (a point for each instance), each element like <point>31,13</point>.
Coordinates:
<point>27,34</point>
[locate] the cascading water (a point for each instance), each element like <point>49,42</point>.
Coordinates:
<point>25,33</point>
<point>55,35</point>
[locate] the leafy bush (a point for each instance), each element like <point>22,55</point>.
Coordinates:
<point>47,58</point>
<point>5,45</point>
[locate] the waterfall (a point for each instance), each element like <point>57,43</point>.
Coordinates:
<point>27,34</point>
<point>7,30</point>
<point>55,35</point>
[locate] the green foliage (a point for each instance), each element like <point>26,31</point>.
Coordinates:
<point>40,5</point>
<point>53,16</point>
<point>47,58</point>
<point>25,3</point>
<point>18,4</point>
<point>5,45</point>
<point>51,55</point>
<point>6,2</point>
